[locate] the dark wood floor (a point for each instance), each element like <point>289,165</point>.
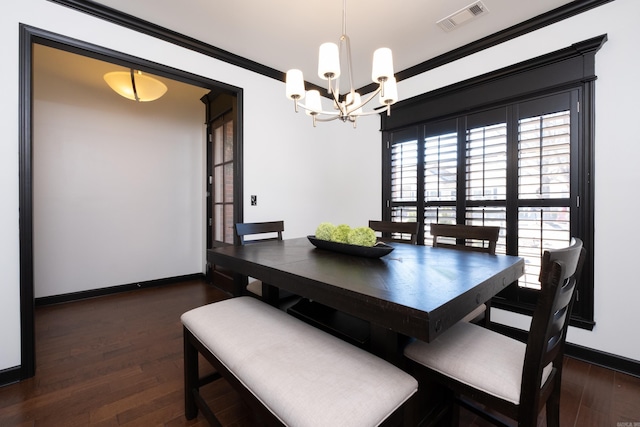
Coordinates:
<point>117,360</point>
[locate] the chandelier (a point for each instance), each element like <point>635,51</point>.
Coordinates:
<point>349,107</point>
<point>135,86</point>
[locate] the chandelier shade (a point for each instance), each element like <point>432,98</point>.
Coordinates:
<point>329,61</point>
<point>355,100</point>
<point>346,107</point>
<point>295,84</point>
<point>382,69</point>
<point>135,86</point>
<point>314,102</point>
<point>389,92</point>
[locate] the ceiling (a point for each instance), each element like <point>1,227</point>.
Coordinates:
<point>284,34</point>
<point>85,72</point>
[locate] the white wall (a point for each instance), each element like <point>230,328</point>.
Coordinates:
<point>118,185</point>
<point>301,174</point>
<point>617,147</point>
<point>327,173</point>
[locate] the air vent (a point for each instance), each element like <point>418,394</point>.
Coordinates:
<point>462,16</point>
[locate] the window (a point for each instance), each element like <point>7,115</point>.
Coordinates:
<point>544,166</point>
<point>512,151</point>
<point>223,173</point>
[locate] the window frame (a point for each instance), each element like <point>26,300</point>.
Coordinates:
<point>568,70</point>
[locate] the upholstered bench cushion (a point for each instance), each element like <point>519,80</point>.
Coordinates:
<point>477,357</point>
<point>304,376</point>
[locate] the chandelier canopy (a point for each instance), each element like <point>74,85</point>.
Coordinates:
<point>348,107</point>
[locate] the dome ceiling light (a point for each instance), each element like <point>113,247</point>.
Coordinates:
<point>135,86</point>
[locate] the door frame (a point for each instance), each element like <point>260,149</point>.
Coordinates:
<point>28,37</point>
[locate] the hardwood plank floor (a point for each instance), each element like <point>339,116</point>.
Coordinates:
<point>117,361</point>
<point>114,361</point>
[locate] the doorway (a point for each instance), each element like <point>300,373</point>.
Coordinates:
<point>29,37</point>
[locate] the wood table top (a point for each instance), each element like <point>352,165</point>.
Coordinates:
<point>415,290</point>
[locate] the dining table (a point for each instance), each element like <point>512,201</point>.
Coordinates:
<point>413,291</point>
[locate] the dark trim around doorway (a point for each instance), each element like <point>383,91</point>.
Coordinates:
<point>28,37</point>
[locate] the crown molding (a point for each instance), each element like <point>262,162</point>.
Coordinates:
<point>109,14</point>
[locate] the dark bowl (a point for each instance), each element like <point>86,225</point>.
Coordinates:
<point>377,251</point>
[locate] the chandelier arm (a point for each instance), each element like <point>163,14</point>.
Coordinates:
<point>326,119</point>
<point>366,101</point>
<point>325,113</point>
<point>347,43</point>
<point>336,100</point>
<point>371,113</point>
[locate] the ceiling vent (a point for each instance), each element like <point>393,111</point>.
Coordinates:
<point>466,14</point>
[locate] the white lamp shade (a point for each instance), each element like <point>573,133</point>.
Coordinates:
<point>313,102</point>
<point>329,61</point>
<point>356,107</point>
<point>295,84</point>
<point>146,88</point>
<point>389,93</point>
<point>382,65</point>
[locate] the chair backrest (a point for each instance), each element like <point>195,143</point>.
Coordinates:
<point>275,228</point>
<point>477,238</point>
<point>409,229</point>
<point>559,273</point>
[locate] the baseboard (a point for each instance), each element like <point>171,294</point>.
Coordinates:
<point>93,293</point>
<point>589,355</point>
<point>9,376</point>
<point>606,360</point>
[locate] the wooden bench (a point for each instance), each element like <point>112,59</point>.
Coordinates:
<point>288,372</point>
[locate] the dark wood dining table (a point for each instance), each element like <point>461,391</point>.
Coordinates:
<point>414,291</point>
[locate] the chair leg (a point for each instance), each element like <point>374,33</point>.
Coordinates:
<point>553,408</point>
<point>454,419</point>
<point>270,294</point>
<point>191,375</point>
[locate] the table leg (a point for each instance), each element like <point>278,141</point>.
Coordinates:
<point>270,294</point>
<point>239,284</point>
<point>432,406</point>
<point>387,344</point>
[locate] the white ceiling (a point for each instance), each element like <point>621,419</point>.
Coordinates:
<point>284,34</point>
<point>51,63</point>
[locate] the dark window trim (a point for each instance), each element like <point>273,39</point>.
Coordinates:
<point>563,68</point>
<point>569,68</point>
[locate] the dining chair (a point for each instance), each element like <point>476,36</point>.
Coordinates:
<point>477,238</point>
<point>484,368</point>
<point>258,232</point>
<point>398,232</point>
